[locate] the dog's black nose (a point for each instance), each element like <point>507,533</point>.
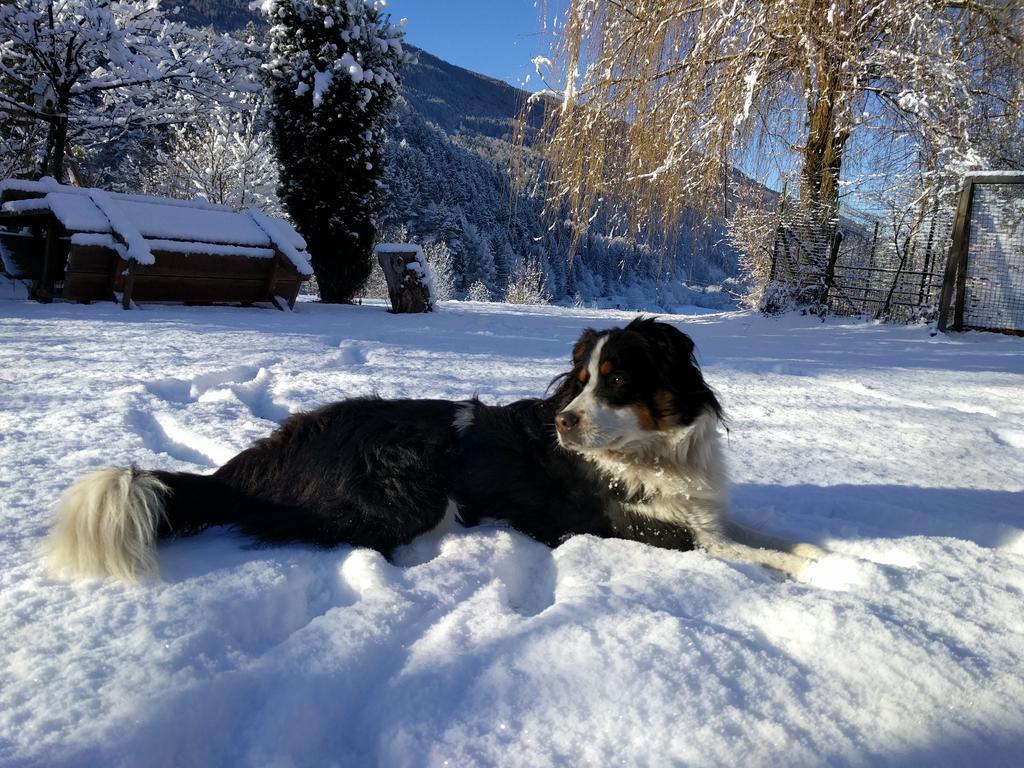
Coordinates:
<point>566,421</point>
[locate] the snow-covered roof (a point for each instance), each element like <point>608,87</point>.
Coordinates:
<point>994,175</point>
<point>144,221</point>
<point>398,248</point>
<point>49,184</point>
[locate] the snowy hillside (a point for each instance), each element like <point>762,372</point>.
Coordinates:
<point>447,171</point>
<point>902,453</point>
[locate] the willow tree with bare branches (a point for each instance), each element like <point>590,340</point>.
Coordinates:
<point>658,101</point>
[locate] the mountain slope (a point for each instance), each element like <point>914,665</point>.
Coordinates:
<point>448,158</point>
<point>459,100</point>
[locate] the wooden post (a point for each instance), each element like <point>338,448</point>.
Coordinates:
<point>268,287</point>
<point>955,280</point>
<point>51,257</point>
<point>926,267</point>
<point>129,285</point>
<point>775,255</point>
<point>119,265</point>
<point>779,232</point>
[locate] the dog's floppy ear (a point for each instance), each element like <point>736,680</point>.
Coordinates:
<point>585,342</point>
<point>676,360</point>
<point>676,344</point>
<point>669,341</point>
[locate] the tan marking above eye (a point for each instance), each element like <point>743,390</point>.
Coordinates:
<point>606,367</point>
<point>583,375</point>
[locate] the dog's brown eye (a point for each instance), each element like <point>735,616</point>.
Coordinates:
<point>617,380</point>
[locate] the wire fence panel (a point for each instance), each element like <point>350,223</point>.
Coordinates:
<point>959,260</point>
<point>897,275</point>
<point>994,277</point>
<point>863,265</point>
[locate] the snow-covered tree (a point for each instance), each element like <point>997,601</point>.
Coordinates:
<point>227,158</point>
<point>442,270</point>
<point>89,71</point>
<point>478,291</point>
<point>527,284</point>
<point>333,75</point>
<point>658,99</point>
<point>752,230</point>
<point>18,142</point>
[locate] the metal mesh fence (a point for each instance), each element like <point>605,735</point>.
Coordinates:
<point>961,261</point>
<point>993,296</point>
<point>892,268</point>
<point>864,265</point>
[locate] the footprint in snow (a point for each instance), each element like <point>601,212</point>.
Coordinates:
<point>191,389</point>
<point>162,433</point>
<point>250,384</point>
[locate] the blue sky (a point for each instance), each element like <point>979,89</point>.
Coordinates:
<point>493,37</point>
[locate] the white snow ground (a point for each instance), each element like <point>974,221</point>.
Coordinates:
<point>901,452</point>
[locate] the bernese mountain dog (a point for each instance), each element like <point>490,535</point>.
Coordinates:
<point>627,445</point>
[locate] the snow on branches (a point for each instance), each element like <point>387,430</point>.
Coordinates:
<point>227,158</point>
<point>91,71</point>
<point>352,40</point>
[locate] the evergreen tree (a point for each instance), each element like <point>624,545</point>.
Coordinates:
<point>333,77</point>
<point>478,259</point>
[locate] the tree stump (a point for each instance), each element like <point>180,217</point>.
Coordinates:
<point>405,270</point>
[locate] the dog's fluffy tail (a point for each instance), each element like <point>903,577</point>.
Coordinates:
<point>107,524</point>
<point>109,521</point>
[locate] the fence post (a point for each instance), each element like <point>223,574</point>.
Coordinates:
<point>926,267</point>
<point>780,231</point>
<point>53,263</point>
<point>956,264</point>
<point>775,255</point>
<point>830,268</point>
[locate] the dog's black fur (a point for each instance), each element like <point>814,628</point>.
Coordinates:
<point>378,473</point>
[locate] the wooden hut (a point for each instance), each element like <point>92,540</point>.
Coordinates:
<point>87,244</point>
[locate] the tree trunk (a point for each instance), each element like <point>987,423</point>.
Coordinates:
<point>823,154</point>
<point>56,143</point>
<point>406,289</point>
